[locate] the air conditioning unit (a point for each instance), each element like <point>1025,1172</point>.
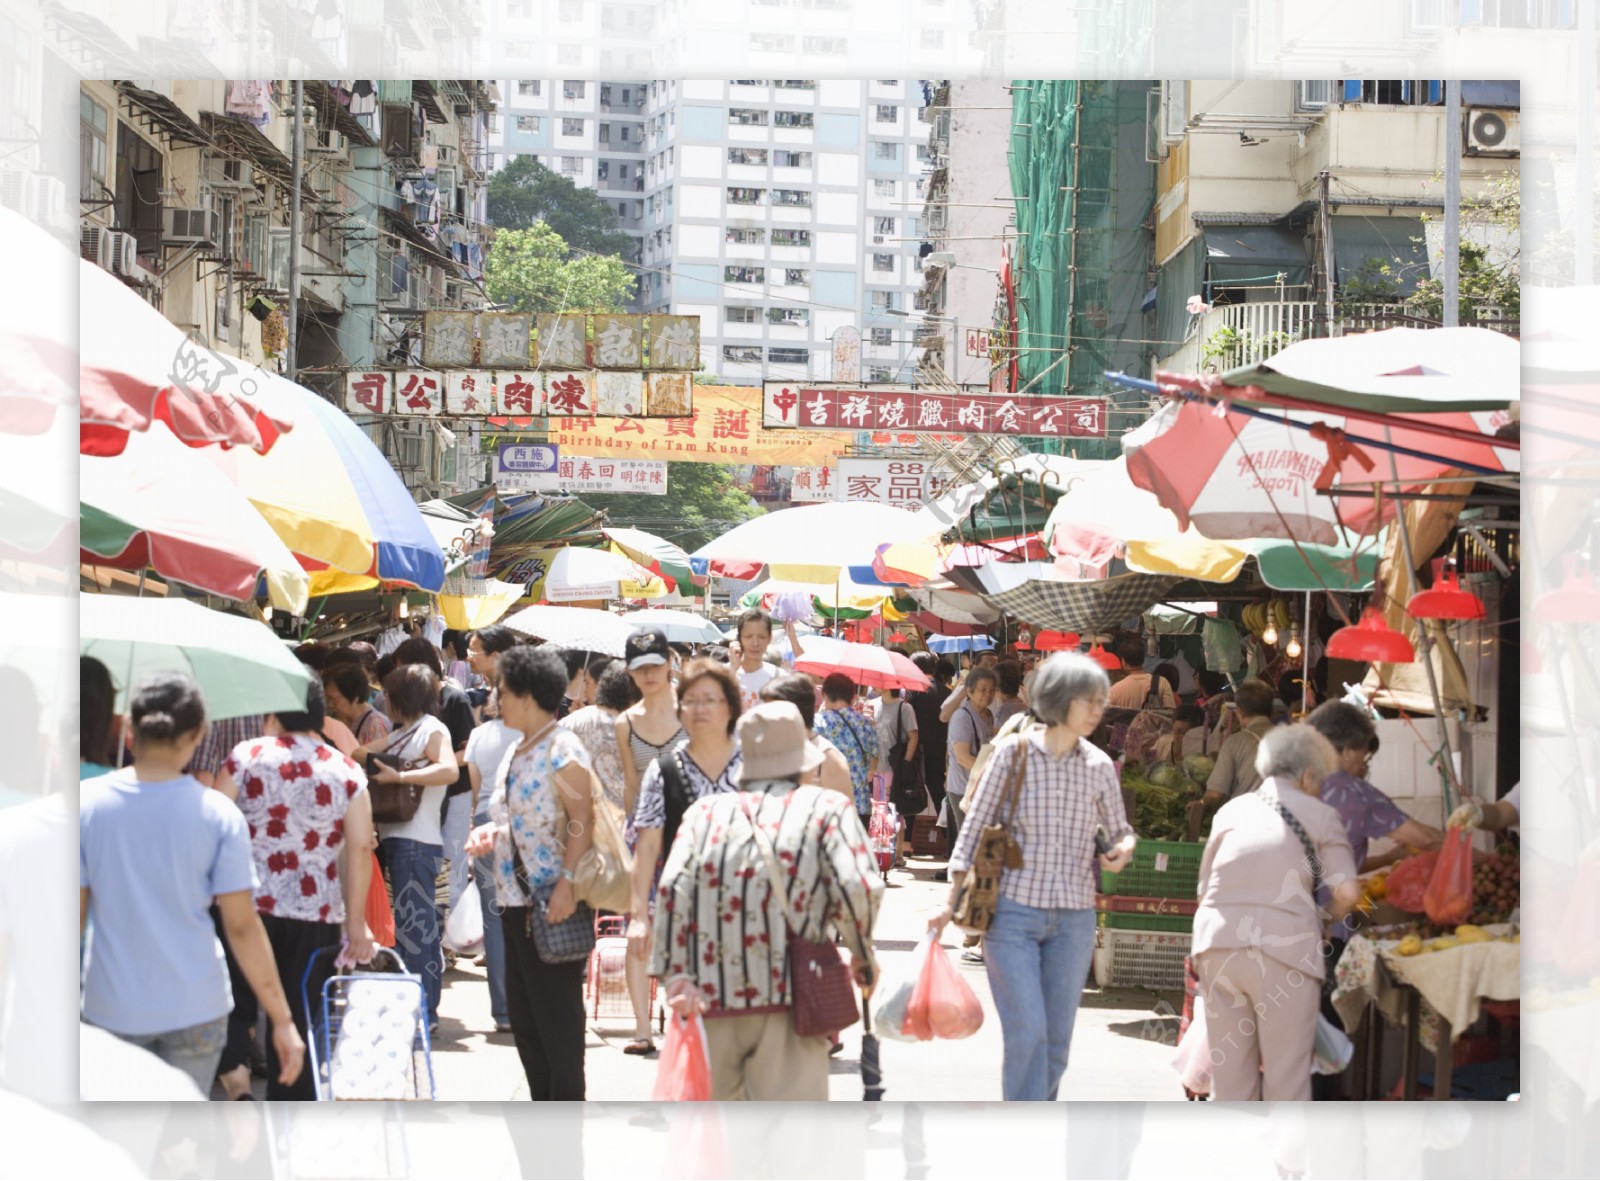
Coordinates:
<point>193,225</point>
<point>125,255</point>
<point>447,154</point>
<point>223,173</point>
<point>335,143</point>
<point>877,239</point>
<point>446,178</point>
<point>98,245</point>
<point>49,200</point>
<point>1493,133</point>
<point>16,185</point>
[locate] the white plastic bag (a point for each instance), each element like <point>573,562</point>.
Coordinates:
<point>1332,1048</point>
<point>463,930</point>
<point>891,997</point>
<point>1193,1059</point>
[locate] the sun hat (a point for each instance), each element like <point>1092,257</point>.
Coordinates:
<point>774,744</point>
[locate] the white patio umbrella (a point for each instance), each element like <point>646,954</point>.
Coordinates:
<point>578,575</point>
<point>582,628</point>
<point>680,626</point>
<point>814,543</point>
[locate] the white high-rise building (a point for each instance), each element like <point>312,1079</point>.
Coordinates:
<point>779,211</point>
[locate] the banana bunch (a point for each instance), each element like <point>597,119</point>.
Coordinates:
<point>1257,616</point>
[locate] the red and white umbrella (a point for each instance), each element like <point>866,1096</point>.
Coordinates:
<point>1231,475</point>
<point>137,367</point>
<point>862,663</point>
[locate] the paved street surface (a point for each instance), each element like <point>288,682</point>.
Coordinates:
<point>1122,1048</point>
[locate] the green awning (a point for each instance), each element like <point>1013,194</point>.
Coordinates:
<point>1254,256</point>
<point>1181,276</point>
<point>1284,565</point>
<point>1398,242</point>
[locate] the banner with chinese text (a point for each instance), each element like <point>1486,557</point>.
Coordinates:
<point>787,405</point>
<point>901,483</point>
<point>475,393</point>
<point>578,474</point>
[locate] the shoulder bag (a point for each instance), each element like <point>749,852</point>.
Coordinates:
<point>603,876</point>
<point>907,792</point>
<point>997,852</point>
<point>822,998</point>
<point>675,797</point>
<point>394,803</point>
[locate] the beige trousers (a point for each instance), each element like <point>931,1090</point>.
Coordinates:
<point>762,1059</point>
<point>1261,1021</point>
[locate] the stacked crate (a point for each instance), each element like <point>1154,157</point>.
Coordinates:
<point>1146,916</point>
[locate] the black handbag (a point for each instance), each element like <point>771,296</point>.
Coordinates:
<point>907,791</point>
<point>556,943</point>
<point>394,803</point>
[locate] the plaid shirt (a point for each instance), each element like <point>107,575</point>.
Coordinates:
<point>1060,803</point>
<point>717,919</point>
<point>221,737</point>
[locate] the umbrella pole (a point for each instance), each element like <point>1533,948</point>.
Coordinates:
<point>316,615</point>
<point>1305,650</point>
<point>1425,645</point>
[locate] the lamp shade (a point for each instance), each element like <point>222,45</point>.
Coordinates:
<point>1056,641</point>
<point>1445,599</point>
<point>899,638</point>
<point>1104,659</point>
<point>1372,641</point>
<point>1575,601</point>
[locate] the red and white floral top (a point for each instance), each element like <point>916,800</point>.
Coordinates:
<point>294,790</point>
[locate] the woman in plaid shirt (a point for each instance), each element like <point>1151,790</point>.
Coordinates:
<point>1038,948</point>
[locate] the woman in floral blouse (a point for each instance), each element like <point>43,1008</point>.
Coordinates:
<point>854,736</point>
<point>721,931</point>
<point>304,802</point>
<point>542,794</point>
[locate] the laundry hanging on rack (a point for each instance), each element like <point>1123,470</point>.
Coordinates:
<point>249,101</point>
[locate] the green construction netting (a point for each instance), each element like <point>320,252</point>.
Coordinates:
<point>1084,191</point>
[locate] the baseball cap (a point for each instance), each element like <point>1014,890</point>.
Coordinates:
<point>647,648</point>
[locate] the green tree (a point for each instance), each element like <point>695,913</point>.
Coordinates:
<point>703,501</point>
<point>525,193</point>
<point>1491,267</point>
<point>534,271</point>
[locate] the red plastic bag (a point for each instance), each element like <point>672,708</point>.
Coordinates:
<point>941,1004</point>
<point>1448,898</point>
<point>1409,879</point>
<point>380,915</point>
<point>1577,953</point>
<point>685,1071</point>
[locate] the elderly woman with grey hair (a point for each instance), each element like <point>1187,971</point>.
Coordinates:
<point>1276,871</point>
<point>1038,949</point>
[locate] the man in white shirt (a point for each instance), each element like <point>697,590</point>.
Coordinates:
<point>752,670</point>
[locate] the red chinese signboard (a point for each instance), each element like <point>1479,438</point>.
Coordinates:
<point>892,408</point>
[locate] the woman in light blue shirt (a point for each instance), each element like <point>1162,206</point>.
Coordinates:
<point>154,847</point>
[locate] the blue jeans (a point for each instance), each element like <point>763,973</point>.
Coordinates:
<point>1037,961</point>
<point>413,870</point>
<point>494,939</point>
<point>457,824</point>
<point>196,1050</point>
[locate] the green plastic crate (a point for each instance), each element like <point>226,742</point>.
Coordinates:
<point>1128,921</point>
<point>1159,869</point>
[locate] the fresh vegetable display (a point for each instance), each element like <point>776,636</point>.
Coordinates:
<point>1162,793</point>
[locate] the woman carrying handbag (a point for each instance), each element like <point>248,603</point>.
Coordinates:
<point>1023,870</point>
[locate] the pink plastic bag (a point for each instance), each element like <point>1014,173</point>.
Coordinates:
<point>1448,899</point>
<point>942,1005</point>
<point>685,1071</point>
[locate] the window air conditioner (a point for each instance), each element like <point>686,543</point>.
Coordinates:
<point>193,225</point>
<point>125,255</point>
<point>98,246</point>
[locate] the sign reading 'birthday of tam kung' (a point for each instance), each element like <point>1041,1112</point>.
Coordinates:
<point>939,412</point>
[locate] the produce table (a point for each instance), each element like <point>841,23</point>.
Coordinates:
<point>1432,995</point>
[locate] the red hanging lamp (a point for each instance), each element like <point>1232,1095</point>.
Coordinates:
<point>1372,641</point>
<point>1576,600</point>
<point>1445,599</point>
<point>1056,641</point>
<point>1104,659</point>
<point>899,638</point>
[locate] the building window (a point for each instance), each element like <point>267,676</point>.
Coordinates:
<point>885,301</point>
<point>925,153</point>
<point>571,10</point>
<point>529,88</point>
<point>791,237</point>
<point>793,119</point>
<point>795,198</point>
<point>796,83</point>
<point>882,337</point>
<point>743,196</point>
<point>622,172</point>
<point>139,185</point>
<point>883,262</point>
<point>833,45</point>
<point>883,188</point>
<point>933,38</point>
<point>746,237</point>
<point>883,226</point>
<point>571,165</point>
<point>1313,95</point>
<point>1397,93</point>
<point>572,127</point>
<point>743,315</point>
<point>91,147</point>
<point>888,82</point>
<point>569,55</point>
<point>527,123</point>
<point>788,356</point>
<point>919,301</point>
<point>795,316</point>
<point>519,49</point>
<point>602,170</point>
<point>747,156</point>
<point>796,278</point>
<point>771,43</point>
<point>741,354</point>
<point>880,373</point>
<point>747,117</point>
<point>744,274</point>
<point>519,9</point>
<point>604,134</point>
<point>494,123</point>
<point>574,89</point>
<point>882,149</point>
<point>783,159</point>
<point>888,113</point>
<point>745,82</point>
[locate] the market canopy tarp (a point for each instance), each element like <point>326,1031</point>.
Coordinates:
<point>817,542</point>
<point>1094,606</point>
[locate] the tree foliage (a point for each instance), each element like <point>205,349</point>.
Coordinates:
<point>703,501</point>
<point>534,271</point>
<point>525,193</point>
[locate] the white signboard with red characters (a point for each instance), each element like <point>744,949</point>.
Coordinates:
<point>895,408</point>
<point>901,483</point>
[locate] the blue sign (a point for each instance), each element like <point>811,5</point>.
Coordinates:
<point>533,458</point>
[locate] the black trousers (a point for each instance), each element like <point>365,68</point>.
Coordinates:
<point>246,1013</point>
<point>293,942</point>
<point>545,1004</point>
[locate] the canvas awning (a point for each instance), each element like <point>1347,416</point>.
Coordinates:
<point>1397,241</point>
<point>1255,256</point>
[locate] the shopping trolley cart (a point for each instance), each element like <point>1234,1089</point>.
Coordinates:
<point>368,1038</point>
<point>605,987</point>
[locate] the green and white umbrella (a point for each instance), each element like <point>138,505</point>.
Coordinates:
<point>680,626</point>
<point>240,666</point>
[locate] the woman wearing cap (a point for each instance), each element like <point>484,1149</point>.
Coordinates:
<point>705,763</point>
<point>710,948</point>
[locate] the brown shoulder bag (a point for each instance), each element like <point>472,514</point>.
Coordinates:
<point>997,852</point>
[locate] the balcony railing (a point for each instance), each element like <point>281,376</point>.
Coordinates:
<point>1243,334</point>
